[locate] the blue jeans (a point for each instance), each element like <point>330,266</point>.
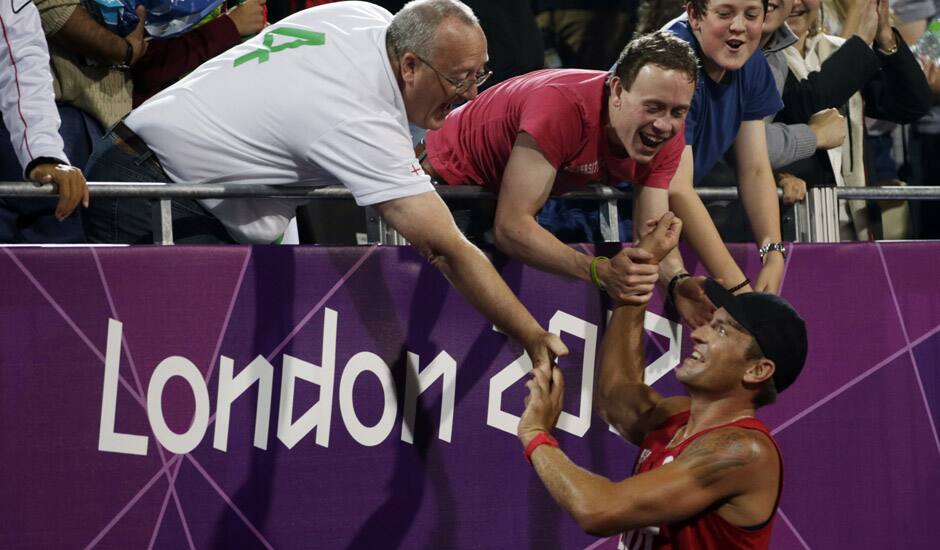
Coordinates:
<point>32,220</point>
<point>129,220</point>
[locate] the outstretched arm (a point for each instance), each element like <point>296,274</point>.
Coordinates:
<point>621,397</point>
<point>759,197</point>
<point>700,230</point>
<point>427,224</point>
<point>527,183</point>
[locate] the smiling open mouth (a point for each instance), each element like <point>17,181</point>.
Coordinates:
<point>798,13</point>
<point>652,141</point>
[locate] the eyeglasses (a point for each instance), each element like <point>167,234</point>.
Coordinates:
<point>461,86</point>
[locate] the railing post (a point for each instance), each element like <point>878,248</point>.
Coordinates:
<point>162,219</point>
<point>610,221</point>
<point>373,226</point>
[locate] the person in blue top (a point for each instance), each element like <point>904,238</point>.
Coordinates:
<point>735,92</point>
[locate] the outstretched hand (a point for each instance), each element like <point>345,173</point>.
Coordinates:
<point>771,276</point>
<point>693,305</point>
<point>663,238</point>
<point>629,277</point>
<point>543,404</point>
<point>544,350</point>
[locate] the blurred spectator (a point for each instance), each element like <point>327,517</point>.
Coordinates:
<point>30,145</point>
<point>924,153</point>
<point>872,73</point>
<point>167,60</point>
<point>653,15</point>
<point>584,34</point>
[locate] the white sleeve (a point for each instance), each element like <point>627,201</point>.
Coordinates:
<point>373,157</point>
<point>27,101</point>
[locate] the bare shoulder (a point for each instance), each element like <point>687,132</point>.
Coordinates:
<point>732,450</point>
<point>666,408</point>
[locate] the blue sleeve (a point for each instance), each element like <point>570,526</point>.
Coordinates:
<point>760,96</point>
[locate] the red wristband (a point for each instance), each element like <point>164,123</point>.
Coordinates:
<point>543,438</point>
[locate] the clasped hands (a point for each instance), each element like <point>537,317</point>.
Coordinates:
<point>546,387</point>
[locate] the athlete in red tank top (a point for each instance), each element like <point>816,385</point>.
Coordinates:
<point>707,529</point>
<point>709,475</point>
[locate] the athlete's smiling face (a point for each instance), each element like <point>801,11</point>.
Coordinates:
<point>728,32</point>
<point>429,91</point>
<point>719,359</point>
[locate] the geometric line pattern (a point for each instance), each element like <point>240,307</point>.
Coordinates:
<point>789,523</point>
<point>166,465</point>
<point>910,349</point>
<point>133,366</point>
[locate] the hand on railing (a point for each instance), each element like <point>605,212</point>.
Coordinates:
<point>69,182</point>
<point>794,188</point>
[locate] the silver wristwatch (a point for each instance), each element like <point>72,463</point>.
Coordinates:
<point>779,247</point>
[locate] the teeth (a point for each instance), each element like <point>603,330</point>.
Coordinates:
<point>696,355</point>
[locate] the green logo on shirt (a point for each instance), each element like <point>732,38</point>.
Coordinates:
<point>302,38</point>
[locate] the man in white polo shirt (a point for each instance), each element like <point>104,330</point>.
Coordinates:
<point>324,96</point>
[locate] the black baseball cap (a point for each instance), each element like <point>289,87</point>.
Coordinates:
<point>779,330</point>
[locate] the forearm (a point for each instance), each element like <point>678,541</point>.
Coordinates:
<point>524,239</point>
<point>622,352</point>
<point>579,492</point>
<point>788,143</point>
<point>700,232</point>
<point>84,36</point>
<point>472,274</point>
<point>759,198</point>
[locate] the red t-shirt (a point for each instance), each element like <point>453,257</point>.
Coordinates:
<point>707,530</point>
<point>563,110</point>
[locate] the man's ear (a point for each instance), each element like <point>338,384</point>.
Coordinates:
<point>408,67</point>
<point>616,89</point>
<point>760,371</point>
<point>694,17</point>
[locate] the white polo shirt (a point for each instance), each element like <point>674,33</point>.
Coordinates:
<point>312,100</point>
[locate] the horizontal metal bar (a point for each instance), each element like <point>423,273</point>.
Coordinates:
<point>894,192</point>
<point>246,190</point>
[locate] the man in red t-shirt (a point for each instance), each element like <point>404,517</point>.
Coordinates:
<point>554,130</point>
<point>709,474</point>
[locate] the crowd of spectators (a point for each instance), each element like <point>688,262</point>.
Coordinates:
<point>835,96</point>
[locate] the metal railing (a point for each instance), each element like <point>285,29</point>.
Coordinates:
<point>816,218</point>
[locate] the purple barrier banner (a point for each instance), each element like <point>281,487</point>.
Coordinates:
<point>307,397</point>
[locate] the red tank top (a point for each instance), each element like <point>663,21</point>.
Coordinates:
<point>707,530</point>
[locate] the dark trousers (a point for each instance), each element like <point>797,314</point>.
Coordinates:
<point>32,220</point>
<point>129,220</point>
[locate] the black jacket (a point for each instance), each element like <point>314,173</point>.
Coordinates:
<point>893,88</point>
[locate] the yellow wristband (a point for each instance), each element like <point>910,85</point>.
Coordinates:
<point>594,278</point>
